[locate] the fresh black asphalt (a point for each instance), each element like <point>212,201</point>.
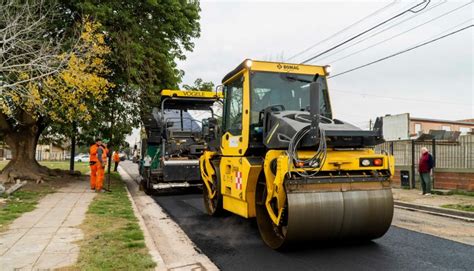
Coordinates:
<point>233,243</point>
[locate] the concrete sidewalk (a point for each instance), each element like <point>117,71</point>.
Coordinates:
<point>411,199</point>
<point>45,238</point>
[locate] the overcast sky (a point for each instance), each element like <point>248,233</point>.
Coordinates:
<point>435,81</point>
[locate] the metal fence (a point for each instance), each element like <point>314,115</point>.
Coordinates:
<point>459,154</point>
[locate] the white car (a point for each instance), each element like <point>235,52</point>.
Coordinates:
<point>82,158</point>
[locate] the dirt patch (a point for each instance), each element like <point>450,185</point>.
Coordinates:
<point>413,196</point>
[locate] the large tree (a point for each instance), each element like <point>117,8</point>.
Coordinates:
<point>44,80</point>
<point>146,37</point>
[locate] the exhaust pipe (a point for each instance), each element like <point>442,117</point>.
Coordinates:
<point>314,109</point>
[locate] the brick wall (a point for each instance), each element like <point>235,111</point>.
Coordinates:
<point>454,180</point>
<point>450,179</point>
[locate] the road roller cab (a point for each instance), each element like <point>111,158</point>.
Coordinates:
<point>281,157</point>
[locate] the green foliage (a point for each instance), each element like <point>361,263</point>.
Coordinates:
<point>200,85</point>
<point>146,38</point>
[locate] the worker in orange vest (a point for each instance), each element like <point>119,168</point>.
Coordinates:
<point>94,163</point>
<point>116,158</point>
<point>102,154</point>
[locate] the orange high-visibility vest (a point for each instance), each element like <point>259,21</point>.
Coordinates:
<point>105,153</point>
<point>116,157</point>
<point>93,153</point>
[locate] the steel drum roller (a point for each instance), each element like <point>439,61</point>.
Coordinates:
<point>323,216</point>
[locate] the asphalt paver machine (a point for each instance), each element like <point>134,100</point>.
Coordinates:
<point>174,139</point>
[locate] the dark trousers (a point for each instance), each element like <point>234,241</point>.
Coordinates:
<point>116,165</point>
<point>425,179</point>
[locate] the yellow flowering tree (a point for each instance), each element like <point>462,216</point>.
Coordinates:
<point>30,101</point>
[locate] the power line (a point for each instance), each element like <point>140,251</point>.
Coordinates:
<point>370,29</point>
<point>404,32</point>
<point>383,30</point>
<point>342,30</point>
<point>400,98</point>
<point>403,51</point>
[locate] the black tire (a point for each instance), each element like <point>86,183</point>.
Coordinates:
<point>146,184</point>
<point>80,161</point>
<point>213,206</point>
<point>268,231</point>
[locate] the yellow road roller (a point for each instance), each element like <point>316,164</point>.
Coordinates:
<point>279,155</point>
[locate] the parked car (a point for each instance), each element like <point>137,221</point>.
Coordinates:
<point>123,156</point>
<point>82,158</point>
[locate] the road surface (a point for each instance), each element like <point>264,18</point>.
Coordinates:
<point>233,243</point>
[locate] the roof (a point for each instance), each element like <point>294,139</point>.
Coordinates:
<point>443,121</point>
<point>198,94</point>
<point>189,99</point>
<point>275,67</point>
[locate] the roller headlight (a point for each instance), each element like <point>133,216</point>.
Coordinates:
<point>248,63</point>
<point>365,162</point>
<point>327,69</point>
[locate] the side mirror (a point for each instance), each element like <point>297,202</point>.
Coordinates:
<point>210,129</point>
<point>220,89</point>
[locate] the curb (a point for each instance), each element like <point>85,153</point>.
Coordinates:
<point>168,239</point>
<point>152,249</point>
<point>461,215</point>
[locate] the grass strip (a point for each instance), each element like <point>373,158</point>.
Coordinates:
<point>113,239</point>
<point>462,207</point>
<point>463,193</point>
<point>83,167</point>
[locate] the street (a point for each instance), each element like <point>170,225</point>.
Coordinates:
<point>321,133</point>
<point>233,243</point>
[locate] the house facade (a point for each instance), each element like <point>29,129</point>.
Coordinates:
<point>423,125</point>
<point>404,126</point>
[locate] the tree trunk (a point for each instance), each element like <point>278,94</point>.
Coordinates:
<point>22,143</point>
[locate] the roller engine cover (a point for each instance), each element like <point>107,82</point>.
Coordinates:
<point>280,126</point>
